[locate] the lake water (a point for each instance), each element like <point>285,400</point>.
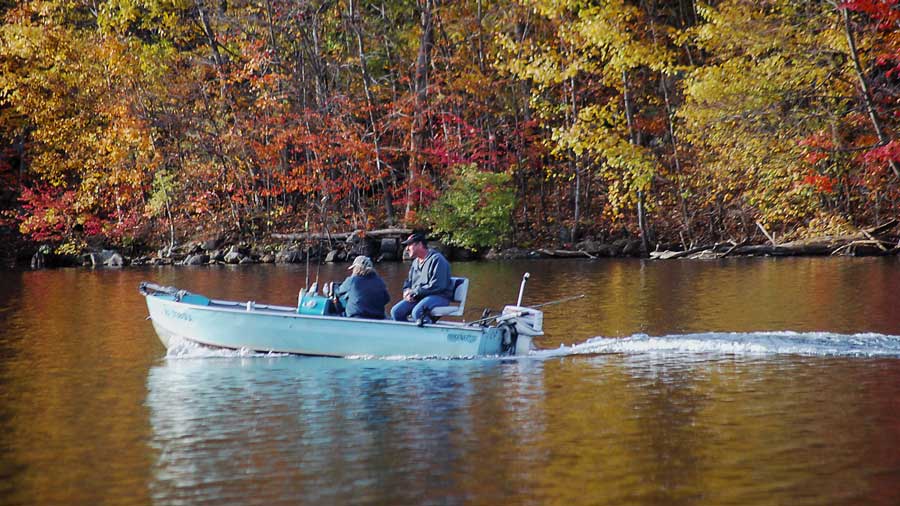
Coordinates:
<point>745,382</point>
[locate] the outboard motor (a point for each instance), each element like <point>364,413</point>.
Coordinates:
<point>524,323</point>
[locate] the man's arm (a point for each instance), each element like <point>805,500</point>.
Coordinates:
<point>438,275</point>
<point>407,285</point>
<point>409,277</point>
<point>345,287</point>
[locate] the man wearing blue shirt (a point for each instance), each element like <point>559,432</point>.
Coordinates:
<point>428,284</point>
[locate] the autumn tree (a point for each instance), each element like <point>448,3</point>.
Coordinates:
<point>593,80</point>
<point>774,116</point>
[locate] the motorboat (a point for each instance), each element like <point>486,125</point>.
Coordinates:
<point>315,326</point>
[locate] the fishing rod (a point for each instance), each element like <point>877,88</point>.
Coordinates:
<point>558,301</point>
<point>544,304</point>
<point>322,210</point>
<point>306,227</point>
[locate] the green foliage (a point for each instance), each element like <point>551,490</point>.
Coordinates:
<point>476,210</point>
<point>165,186</point>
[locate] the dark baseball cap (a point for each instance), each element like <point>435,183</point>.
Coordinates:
<point>417,237</point>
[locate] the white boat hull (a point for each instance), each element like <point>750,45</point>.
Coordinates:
<point>280,329</point>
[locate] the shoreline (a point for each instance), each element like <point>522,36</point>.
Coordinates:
<point>194,254</point>
<point>384,246</point>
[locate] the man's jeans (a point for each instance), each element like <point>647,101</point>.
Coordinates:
<point>419,310</point>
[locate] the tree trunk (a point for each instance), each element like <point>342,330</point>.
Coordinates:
<point>642,223</point>
<point>670,113</point>
<point>864,85</point>
<point>632,138</point>
<point>210,35</point>
<point>171,221</point>
<point>524,88</point>
<point>388,198</point>
<point>420,91</point>
<point>577,204</point>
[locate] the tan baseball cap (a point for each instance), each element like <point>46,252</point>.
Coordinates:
<point>362,261</point>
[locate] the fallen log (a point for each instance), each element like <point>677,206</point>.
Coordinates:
<point>734,246</point>
<point>563,253</point>
<point>783,250</point>
<point>669,255</point>
<point>853,245</point>
<point>698,249</point>
<point>389,232</point>
<point>884,227</point>
<point>315,236</point>
<point>876,241</point>
<point>343,236</point>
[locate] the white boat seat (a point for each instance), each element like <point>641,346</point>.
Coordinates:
<point>459,298</point>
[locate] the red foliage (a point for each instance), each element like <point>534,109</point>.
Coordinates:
<point>884,154</point>
<point>656,126</point>
<point>886,12</point>
<point>886,15</point>
<point>818,148</point>
<point>820,182</point>
<point>458,142</point>
<point>45,213</point>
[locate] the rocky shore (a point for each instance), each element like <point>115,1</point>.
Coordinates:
<point>384,245</point>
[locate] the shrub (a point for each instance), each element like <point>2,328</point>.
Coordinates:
<point>475,211</point>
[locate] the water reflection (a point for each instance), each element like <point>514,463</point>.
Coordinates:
<point>71,392</point>
<point>643,429</point>
<point>329,431</point>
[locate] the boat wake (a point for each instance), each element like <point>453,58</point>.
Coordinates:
<point>182,348</point>
<point>825,344</point>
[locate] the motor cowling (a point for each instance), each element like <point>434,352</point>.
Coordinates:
<point>527,321</point>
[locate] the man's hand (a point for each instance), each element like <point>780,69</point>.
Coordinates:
<point>408,295</point>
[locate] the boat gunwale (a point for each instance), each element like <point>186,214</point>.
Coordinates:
<point>227,306</point>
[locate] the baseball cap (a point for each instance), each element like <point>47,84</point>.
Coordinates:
<point>362,261</point>
<point>417,237</point>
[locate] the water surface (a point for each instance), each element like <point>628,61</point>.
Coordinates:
<point>747,381</point>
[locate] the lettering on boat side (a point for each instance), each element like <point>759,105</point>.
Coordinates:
<point>178,315</point>
<point>466,338</point>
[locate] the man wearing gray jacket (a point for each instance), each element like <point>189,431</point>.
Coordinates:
<point>428,284</point>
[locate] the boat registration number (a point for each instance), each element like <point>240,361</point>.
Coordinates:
<point>465,338</point>
<point>178,315</point>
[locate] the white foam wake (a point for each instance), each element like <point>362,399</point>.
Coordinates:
<point>740,343</point>
<point>183,348</point>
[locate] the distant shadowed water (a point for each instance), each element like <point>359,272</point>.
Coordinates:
<point>746,381</point>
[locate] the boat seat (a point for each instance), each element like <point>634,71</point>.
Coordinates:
<point>461,289</point>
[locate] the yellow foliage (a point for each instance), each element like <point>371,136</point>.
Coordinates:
<point>599,42</point>
<point>747,111</point>
<point>822,224</point>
